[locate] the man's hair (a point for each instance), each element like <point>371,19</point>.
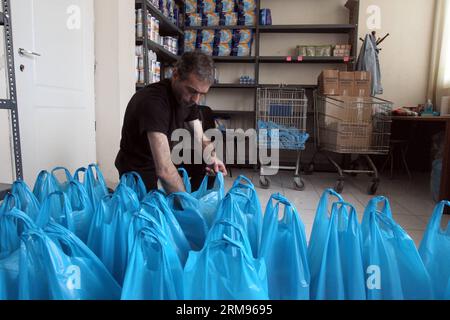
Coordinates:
<point>197,63</point>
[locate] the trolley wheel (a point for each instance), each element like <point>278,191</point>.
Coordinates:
<point>299,184</point>
<point>310,169</point>
<point>339,186</point>
<point>264,182</point>
<point>372,190</point>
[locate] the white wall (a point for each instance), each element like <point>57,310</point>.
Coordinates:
<point>405,55</point>
<point>114,76</point>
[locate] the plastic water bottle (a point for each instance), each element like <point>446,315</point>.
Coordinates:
<point>429,107</point>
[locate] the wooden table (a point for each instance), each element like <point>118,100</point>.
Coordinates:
<point>445,179</point>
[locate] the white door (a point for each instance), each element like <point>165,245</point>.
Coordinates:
<point>55,91</point>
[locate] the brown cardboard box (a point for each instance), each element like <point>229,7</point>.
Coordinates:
<point>363,84</point>
<point>346,83</point>
<point>348,109</point>
<point>348,137</point>
<point>329,82</point>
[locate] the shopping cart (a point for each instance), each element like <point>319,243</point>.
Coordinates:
<point>352,126</point>
<point>281,120</point>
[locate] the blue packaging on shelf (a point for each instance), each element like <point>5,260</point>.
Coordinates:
<point>224,36</point>
<point>190,36</point>
<point>225,6</point>
<point>247,19</point>
<point>211,19</point>
<point>243,36</point>
<point>190,6</point>
<point>222,49</point>
<point>207,48</point>
<point>228,19</point>
<point>265,17</point>
<point>193,20</point>
<point>206,6</point>
<point>247,5</point>
<point>242,50</point>
<point>208,36</point>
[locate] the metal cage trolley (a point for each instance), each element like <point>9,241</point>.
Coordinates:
<point>353,126</point>
<point>281,120</point>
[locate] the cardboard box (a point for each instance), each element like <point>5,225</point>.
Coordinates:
<point>348,137</point>
<point>329,82</point>
<point>348,109</point>
<point>363,84</point>
<point>346,83</point>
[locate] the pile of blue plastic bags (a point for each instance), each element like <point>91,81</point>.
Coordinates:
<point>76,240</point>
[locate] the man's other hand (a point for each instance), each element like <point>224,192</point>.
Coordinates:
<point>216,167</point>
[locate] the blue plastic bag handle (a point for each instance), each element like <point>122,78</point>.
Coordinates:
<point>218,183</point>
<point>76,175</point>
<point>186,181</point>
<point>436,219</point>
<point>125,192</point>
<point>44,219</point>
<point>281,199</point>
<point>325,198</point>
<point>78,188</point>
<point>373,206</point>
<point>7,201</point>
<point>245,245</point>
<point>243,181</point>
<point>15,213</point>
<point>97,171</point>
<point>68,175</point>
<point>341,205</point>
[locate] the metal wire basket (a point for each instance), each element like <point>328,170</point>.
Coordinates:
<point>281,120</point>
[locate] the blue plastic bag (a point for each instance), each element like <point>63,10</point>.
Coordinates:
<point>225,268</point>
<point>95,185</point>
<point>27,201</point>
<point>338,269</point>
<point>62,185</point>
<point>13,223</point>
<point>284,249</point>
<point>247,213</point>
<point>82,209</point>
<point>56,208</point>
<point>134,181</point>
<point>392,263</point>
<point>45,184</point>
<point>108,236</point>
<point>67,268</point>
<point>321,222</point>
<point>186,210</point>
<point>209,199</point>
<point>154,271</point>
<point>156,206</point>
<point>435,252</point>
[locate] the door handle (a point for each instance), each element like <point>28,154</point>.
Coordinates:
<point>23,52</point>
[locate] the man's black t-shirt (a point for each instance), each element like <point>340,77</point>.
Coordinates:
<point>152,109</point>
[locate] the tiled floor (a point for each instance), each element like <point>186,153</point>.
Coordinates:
<point>410,201</point>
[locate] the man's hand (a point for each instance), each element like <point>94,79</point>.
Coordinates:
<point>216,167</point>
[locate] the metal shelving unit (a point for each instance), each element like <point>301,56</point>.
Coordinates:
<point>11,103</point>
<point>351,29</point>
<point>166,28</point>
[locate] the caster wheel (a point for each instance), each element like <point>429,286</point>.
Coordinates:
<point>310,169</point>
<point>299,184</point>
<point>372,190</point>
<point>264,182</point>
<point>339,186</point>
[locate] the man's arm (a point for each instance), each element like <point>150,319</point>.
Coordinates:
<point>215,164</point>
<point>166,171</point>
